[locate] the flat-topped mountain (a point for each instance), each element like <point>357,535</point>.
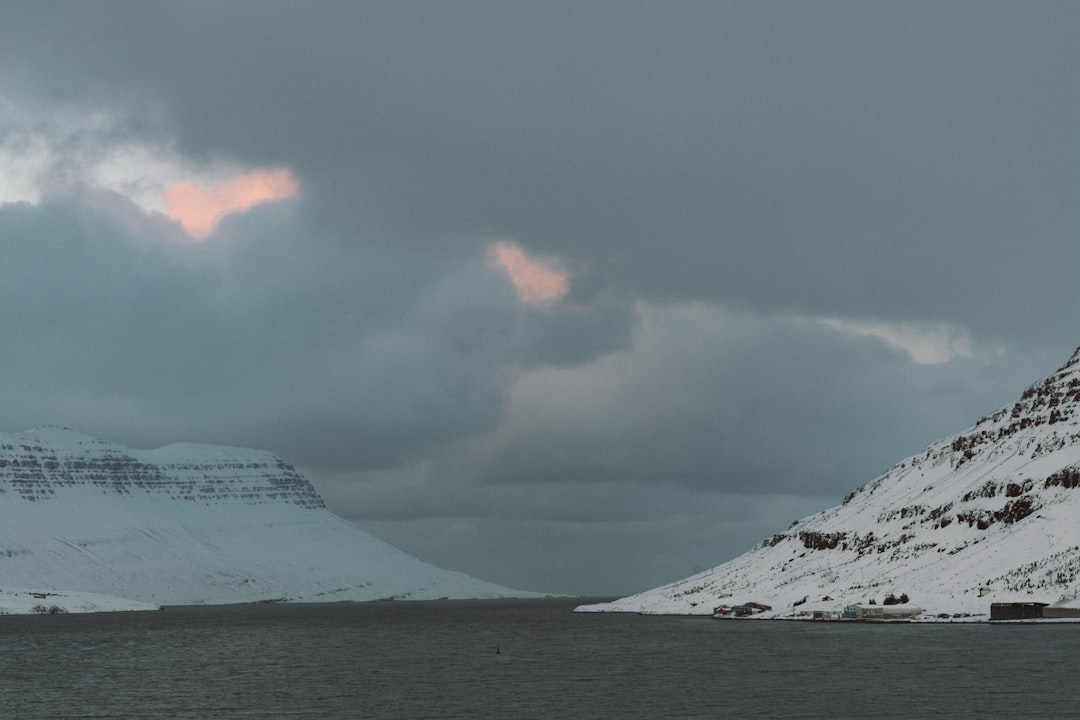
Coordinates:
<point>989,514</point>
<point>187,524</point>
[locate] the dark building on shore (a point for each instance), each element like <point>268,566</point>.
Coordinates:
<point>1017,610</point>
<point>1064,608</point>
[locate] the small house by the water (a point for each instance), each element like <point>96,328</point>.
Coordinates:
<point>750,608</point>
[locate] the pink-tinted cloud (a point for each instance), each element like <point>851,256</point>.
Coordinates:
<point>199,209</point>
<point>536,281</point>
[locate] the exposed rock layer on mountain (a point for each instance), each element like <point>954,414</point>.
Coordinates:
<point>187,524</point>
<point>989,514</point>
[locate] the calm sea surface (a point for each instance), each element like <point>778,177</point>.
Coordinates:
<point>439,660</point>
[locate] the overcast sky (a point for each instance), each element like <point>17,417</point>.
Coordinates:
<point>576,297</point>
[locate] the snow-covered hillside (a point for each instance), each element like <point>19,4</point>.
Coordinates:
<point>24,601</point>
<point>989,514</point>
<point>187,524</point>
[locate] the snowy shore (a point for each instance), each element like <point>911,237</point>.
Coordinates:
<point>20,601</point>
<point>930,607</point>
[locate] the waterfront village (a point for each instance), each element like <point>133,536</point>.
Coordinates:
<point>900,609</point>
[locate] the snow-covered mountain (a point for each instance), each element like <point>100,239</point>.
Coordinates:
<point>187,524</point>
<point>989,514</point>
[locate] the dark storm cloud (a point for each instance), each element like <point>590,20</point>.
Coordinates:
<point>333,355</point>
<point>703,402</point>
<point>717,178</point>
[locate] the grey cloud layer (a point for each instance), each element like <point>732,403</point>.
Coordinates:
<point>777,155</point>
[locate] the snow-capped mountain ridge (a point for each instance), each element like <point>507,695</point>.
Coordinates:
<point>187,524</point>
<point>37,463</point>
<point>987,514</point>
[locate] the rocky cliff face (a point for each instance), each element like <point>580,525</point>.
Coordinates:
<point>988,514</point>
<point>35,465</point>
<point>189,524</point>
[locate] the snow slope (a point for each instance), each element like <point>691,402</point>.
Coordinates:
<point>989,514</point>
<point>21,601</point>
<point>190,524</point>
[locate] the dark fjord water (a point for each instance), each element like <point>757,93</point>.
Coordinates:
<point>439,660</point>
